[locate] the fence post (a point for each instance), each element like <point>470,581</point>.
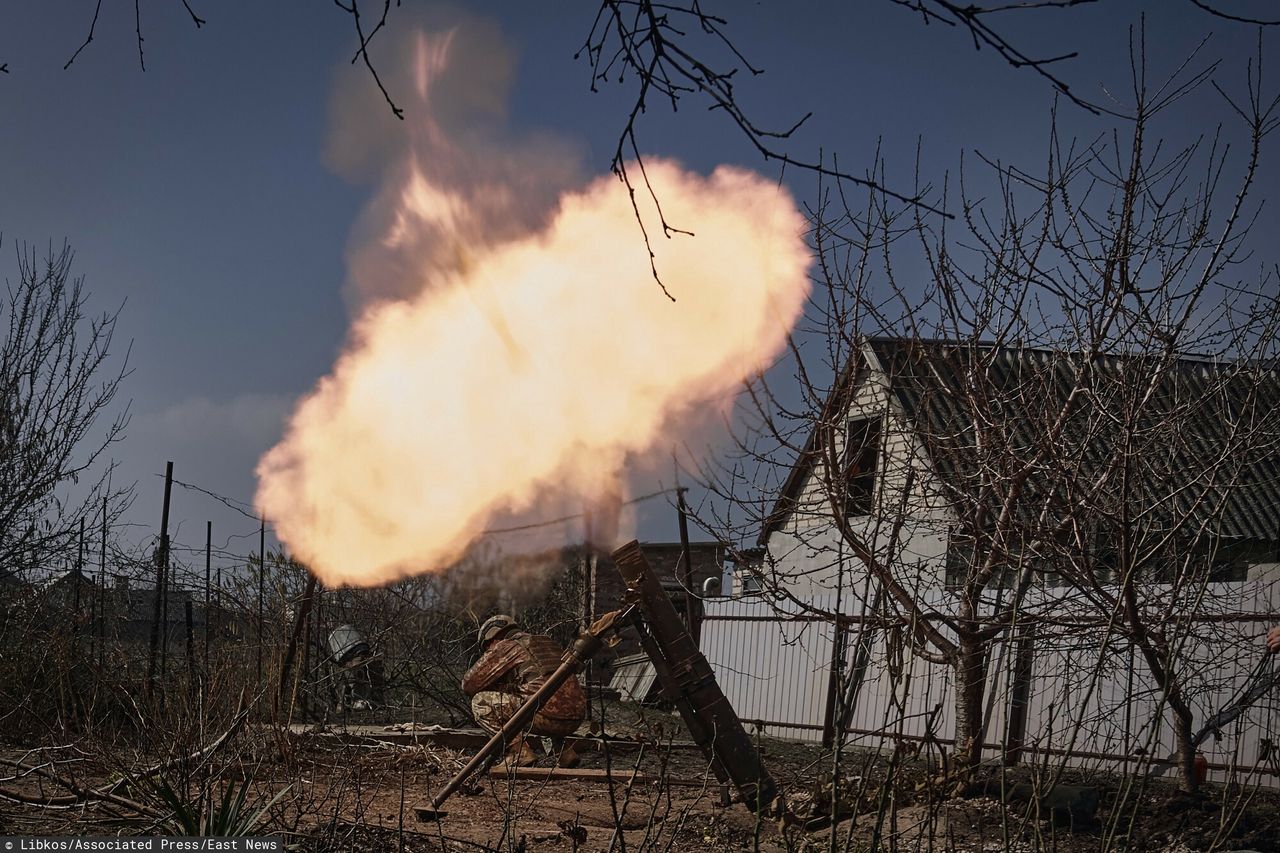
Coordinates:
<point>838,648</point>
<point>191,640</point>
<point>162,560</point>
<point>692,603</point>
<point>262,580</point>
<point>867,622</point>
<point>208,578</point>
<point>1128,713</point>
<point>1020,695</point>
<point>305,677</point>
<point>102,590</point>
<point>75,594</point>
<point>286,690</point>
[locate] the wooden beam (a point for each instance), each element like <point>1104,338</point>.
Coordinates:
<point>561,774</point>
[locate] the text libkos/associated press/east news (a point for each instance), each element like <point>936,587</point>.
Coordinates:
<point>158,844</point>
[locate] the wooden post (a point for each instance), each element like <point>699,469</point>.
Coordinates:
<point>285,693</point>
<point>76,580</point>
<point>692,601</point>
<point>208,579</point>
<point>861,659</point>
<point>839,645</point>
<point>1020,694</point>
<point>162,559</point>
<point>304,677</point>
<point>588,556</point>
<point>590,573</point>
<point>191,642</point>
<point>75,595</point>
<point>102,590</point>
<point>1128,711</point>
<point>166,579</point>
<point>262,580</point>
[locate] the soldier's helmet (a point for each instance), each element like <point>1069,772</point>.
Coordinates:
<point>494,626</point>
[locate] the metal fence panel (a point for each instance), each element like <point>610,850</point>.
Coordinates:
<point>1091,702</point>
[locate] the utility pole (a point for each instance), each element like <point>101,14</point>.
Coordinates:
<point>165,579</point>
<point>305,678</point>
<point>162,560</point>
<point>208,577</point>
<point>75,595</point>
<point>191,641</point>
<point>102,589</point>
<point>692,603</point>
<point>262,580</point>
<point>317,617</point>
<point>588,562</point>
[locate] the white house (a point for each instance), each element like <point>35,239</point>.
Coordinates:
<point>935,455</point>
<point>893,443</point>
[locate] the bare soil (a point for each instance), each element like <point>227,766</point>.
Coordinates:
<point>360,795</point>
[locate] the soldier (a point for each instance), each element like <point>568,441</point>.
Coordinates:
<point>360,673</point>
<point>513,665</point>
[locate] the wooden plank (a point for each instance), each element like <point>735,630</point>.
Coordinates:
<point>462,739</point>
<point>561,774</point>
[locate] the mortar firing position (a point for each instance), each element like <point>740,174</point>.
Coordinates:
<point>513,665</point>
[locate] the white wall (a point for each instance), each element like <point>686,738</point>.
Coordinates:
<point>807,552</point>
<point>1264,572</point>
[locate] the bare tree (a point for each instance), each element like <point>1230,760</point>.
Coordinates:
<point>1063,421</point>
<point>58,411</point>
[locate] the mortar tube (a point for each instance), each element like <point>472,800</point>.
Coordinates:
<point>582,650</point>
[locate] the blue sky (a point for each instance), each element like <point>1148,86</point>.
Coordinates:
<point>197,193</point>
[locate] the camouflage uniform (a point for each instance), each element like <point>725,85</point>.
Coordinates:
<point>509,672</point>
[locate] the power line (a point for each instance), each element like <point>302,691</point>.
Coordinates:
<point>564,518</point>
<point>241,507</point>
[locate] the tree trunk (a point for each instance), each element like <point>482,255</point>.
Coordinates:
<point>1187,780</point>
<point>971,676</point>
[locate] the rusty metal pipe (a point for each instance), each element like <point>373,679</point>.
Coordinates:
<point>582,650</point>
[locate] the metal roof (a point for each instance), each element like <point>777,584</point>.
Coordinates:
<point>1204,434</point>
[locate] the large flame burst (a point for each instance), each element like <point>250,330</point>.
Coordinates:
<point>529,367</point>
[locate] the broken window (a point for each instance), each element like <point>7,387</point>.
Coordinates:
<point>861,453</point>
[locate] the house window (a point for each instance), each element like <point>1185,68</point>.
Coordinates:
<point>957,565</point>
<point>1233,569</point>
<point>746,572</point>
<point>861,453</point>
<point>1208,559</point>
<point>1229,561</point>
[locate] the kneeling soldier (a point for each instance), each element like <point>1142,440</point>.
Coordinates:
<point>512,666</point>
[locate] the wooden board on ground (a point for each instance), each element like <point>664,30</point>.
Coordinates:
<point>619,776</point>
<point>464,739</point>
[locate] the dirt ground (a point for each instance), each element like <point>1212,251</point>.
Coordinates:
<point>346,793</point>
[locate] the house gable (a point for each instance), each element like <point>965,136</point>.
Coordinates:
<point>919,388</point>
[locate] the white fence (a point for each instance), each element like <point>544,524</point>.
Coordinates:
<point>1080,696</point>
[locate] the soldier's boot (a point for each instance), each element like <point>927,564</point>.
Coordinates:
<point>518,755</point>
<point>566,756</point>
